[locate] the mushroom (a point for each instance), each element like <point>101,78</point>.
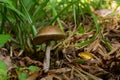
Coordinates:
<point>45,35</point>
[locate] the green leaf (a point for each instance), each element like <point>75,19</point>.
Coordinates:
<point>3,39</point>
<point>80,61</point>
<point>33,68</point>
<point>22,76</point>
<point>3,71</point>
<point>3,67</point>
<point>117,1</point>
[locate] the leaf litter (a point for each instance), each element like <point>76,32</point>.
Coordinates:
<point>100,58</point>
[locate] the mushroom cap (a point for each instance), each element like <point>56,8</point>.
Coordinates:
<point>48,33</point>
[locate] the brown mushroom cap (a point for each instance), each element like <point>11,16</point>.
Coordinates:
<point>48,33</point>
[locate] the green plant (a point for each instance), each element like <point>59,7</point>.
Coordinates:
<point>23,17</point>
<point>18,16</point>
<point>22,75</point>
<point>3,71</point>
<point>3,39</point>
<point>33,68</point>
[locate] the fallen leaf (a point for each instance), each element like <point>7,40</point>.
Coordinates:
<point>103,12</point>
<point>5,58</point>
<point>85,55</point>
<point>34,75</point>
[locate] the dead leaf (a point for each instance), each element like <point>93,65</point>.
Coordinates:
<point>27,60</point>
<point>103,12</point>
<point>34,75</point>
<point>85,55</point>
<point>5,58</point>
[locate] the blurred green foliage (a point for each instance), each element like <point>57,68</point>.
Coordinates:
<point>21,18</point>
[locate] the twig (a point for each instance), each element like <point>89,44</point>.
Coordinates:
<point>20,53</point>
<point>112,51</point>
<point>11,52</point>
<point>71,74</point>
<point>82,76</point>
<point>92,76</point>
<point>65,77</point>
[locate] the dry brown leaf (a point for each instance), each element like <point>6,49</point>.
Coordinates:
<point>30,61</point>
<point>34,75</point>
<point>103,12</point>
<point>5,58</point>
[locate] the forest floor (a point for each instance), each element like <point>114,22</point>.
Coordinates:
<point>99,60</point>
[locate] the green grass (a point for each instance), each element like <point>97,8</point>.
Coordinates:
<point>23,17</point>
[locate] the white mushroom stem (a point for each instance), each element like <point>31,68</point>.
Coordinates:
<point>46,63</point>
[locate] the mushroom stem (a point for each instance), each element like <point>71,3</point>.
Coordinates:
<point>46,63</point>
